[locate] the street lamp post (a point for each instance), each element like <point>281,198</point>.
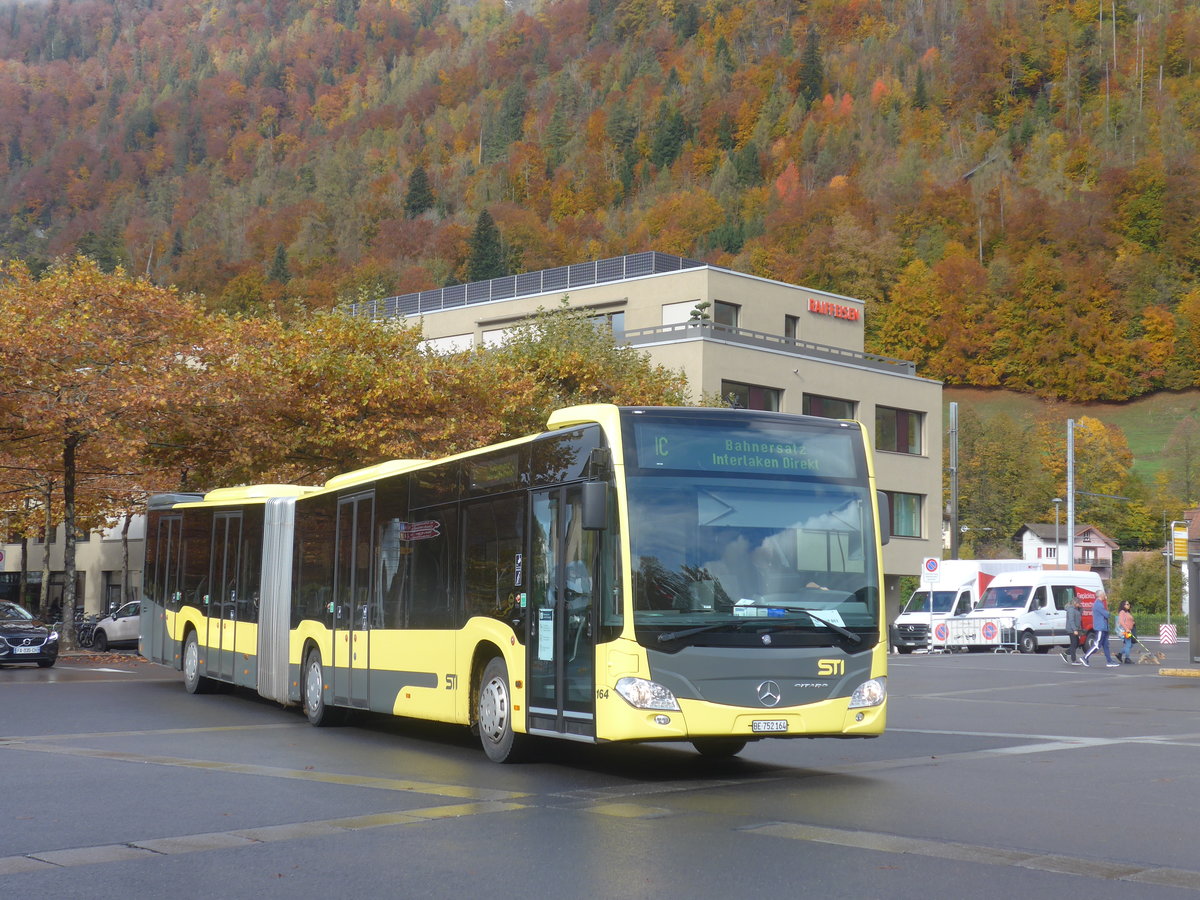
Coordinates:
<point>1057,540</point>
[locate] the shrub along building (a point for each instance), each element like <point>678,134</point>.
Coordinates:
<point>760,343</point>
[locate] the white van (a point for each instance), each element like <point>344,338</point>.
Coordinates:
<point>1032,606</point>
<point>952,590</point>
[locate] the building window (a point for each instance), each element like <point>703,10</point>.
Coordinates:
<point>613,321</point>
<point>897,430</point>
<point>906,513</point>
<point>751,396</point>
<point>1051,552</point>
<point>791,327</point>
<point>725,314</point>
<point>827,407</point>
<point>454,343</point>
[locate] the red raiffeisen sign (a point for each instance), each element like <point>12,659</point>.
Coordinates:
<point>836,310</point>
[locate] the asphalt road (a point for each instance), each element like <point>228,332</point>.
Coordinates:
<point>1000,776</point>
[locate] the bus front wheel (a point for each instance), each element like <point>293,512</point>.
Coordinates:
<point>192,679</point>
<point>494,715</point>
<point>720,748</point>
<point>1027,642</point>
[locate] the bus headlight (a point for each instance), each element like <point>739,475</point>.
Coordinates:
<point>642,694</point>
<point>869,693</point>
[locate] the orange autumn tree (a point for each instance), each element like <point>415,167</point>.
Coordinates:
<point>91,362</point>
<point>330,393</point>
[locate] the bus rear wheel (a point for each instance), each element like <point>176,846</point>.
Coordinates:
<point>719,748</point>
<point>493,715</point>
<point>192,679</point>
<point>319,713</point>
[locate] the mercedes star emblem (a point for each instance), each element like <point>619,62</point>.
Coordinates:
<point>768,693</point>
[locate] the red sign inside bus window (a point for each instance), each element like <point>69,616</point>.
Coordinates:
<point>420,531</point>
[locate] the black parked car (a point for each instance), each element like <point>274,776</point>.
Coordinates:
<point>24,639</point>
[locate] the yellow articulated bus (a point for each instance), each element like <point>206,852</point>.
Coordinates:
<point>630,574</point>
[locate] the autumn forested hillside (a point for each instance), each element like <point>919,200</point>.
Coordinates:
<point>1013,186</point>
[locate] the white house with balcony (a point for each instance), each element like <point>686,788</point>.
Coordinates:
<point>1047,544</point>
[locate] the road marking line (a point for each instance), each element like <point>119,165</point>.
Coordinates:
<point>366,781</point>
<point>239,837</point>
<point>975,853</point>
<point>145,732</point>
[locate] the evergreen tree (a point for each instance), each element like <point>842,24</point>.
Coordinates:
<point>279,266</point>
<point>746,168</point>
<point>670,131</point>
<point>725,137</point>
<point>621,127</point>
<point>486,259</point>
<point>419,197</point>
<point>812,68</point>
<point>558,132</point>
<point>687,21</point>
<point>724,57</point>
<point>507,125</point>
<point>920,98</point>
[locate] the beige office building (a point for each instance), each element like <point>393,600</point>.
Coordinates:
<point>768,344</point>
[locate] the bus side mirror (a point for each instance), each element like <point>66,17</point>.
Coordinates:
<point>595,505</point>
<point>885,517</point>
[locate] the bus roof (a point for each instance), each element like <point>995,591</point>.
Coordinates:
<point>248,493</point>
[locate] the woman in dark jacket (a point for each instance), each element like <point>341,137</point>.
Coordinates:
<point>1074,632</point>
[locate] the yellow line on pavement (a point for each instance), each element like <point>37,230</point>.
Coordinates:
<point>366,781</point>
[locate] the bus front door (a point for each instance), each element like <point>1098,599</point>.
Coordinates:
<point>561,644</point>
<point>352,595</point>
<point>222,621</point>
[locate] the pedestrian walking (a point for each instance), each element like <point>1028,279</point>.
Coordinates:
<point>1100,624</point>
<point>1074,632</point>
<point>1125,625</point>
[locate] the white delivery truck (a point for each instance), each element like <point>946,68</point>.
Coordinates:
<point>1029,609</point>
<point>949,587</point>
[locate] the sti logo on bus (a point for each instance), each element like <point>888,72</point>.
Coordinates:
<point>831,667</point>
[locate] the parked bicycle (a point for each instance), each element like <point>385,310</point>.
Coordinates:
<point>85,630</point>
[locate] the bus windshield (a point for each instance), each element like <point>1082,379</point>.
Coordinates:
<point>748,555</point>
<point>943,602</point>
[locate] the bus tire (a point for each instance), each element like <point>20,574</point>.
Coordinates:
<point>193,681</point>
<point>312,683</point>
<point>1027,642</point>
<point>904,650</point>
<point>719,748</point>
<point>493,715</point>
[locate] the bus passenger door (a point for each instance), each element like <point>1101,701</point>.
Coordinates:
<point>561,644</point>
<point>222,621</point>
<point>163,590</point>
<point>352,600</point>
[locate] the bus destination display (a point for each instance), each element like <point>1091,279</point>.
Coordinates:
<point>699,448</point>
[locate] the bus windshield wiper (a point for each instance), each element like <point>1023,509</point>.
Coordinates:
<point>774,625</point>
<point>699,629</point>
<point>844,632</point>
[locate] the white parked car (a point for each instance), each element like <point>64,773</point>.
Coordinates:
<point>120,628</point>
